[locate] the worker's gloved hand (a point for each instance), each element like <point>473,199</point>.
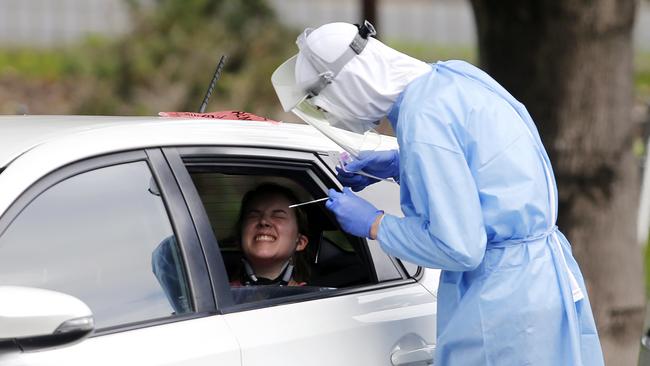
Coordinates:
<point>383,164</point>
<point>354,214</point>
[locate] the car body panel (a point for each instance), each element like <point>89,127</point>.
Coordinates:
<point>315,335</point>
<point>352,326</point>
<point>41,159</point>
<point>113,135</point>
<point>205,341</point>
<point>21,133</point>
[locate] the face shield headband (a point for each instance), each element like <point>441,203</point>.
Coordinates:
<point>327,71</point>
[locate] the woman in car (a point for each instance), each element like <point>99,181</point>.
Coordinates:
<point>272,239</point>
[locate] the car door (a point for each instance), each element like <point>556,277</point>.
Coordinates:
<point>114,231</point>
<point>373,314</point>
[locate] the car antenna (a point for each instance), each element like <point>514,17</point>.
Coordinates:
<point>215,78</point>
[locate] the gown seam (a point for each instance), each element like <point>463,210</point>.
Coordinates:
<point>513,142</point>
<point>434,146</point>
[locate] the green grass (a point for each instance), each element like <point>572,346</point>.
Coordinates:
<point>54,64</point>
<point>646,256</point>
<point>34,63</point>
<point>432,52</point>
<point>57,64</point>
<point>642,75</point>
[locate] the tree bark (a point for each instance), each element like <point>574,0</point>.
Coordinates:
<point>570,63</point>
<point>369,12</point>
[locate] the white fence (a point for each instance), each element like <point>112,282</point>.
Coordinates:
<point>48,23</point>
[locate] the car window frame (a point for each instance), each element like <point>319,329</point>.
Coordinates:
<point>399,263</point>
<point>177,213</point>
<point>419,270</point>
<point>324,177</point>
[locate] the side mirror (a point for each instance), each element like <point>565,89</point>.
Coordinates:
<point>34,319</point>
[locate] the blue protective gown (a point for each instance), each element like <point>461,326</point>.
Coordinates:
<point>479,199</point>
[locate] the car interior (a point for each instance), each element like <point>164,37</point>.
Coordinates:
<point>336,260</point>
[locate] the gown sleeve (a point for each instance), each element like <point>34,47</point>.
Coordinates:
<point>443,227</point>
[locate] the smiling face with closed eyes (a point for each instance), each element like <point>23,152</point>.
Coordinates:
<point>269,234</point>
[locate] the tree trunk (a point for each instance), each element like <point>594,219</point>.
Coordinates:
<point>369,12</point>
<point>570,63</point>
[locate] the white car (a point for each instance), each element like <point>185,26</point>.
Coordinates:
<point>85,202</point>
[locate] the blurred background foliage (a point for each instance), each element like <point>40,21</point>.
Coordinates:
<point>642,75</point>
<point>165,63</point>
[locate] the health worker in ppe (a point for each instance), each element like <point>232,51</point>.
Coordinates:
<point>477,191</point>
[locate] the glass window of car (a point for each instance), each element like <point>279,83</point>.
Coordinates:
<point>222,194</point>
<point>103,236</point>
<point>335,260</point>
<point>388,194</point>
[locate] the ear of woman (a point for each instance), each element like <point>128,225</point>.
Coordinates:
<point>301,242</point>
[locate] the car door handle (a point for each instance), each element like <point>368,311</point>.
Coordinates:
<point>413,357</point>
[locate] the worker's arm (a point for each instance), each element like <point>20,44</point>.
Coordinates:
<point>443,227</point>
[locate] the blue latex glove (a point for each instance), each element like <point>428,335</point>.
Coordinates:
<point>383,164</point>
<point>354,214</point>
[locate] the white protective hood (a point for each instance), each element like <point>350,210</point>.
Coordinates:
<point>343,82</point>
<point>368,85</point>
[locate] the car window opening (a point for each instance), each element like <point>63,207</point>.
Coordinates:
<point>243,206</point>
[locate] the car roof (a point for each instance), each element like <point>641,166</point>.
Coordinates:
<point>33,146</point>
<point>19,134</point>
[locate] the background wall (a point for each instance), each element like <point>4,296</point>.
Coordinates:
<point>48,23</point>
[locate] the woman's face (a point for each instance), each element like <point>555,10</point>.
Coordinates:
<point>270,230</point>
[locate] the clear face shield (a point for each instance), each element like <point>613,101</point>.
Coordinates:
<point>352,137</point>
<point>303,99</point>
